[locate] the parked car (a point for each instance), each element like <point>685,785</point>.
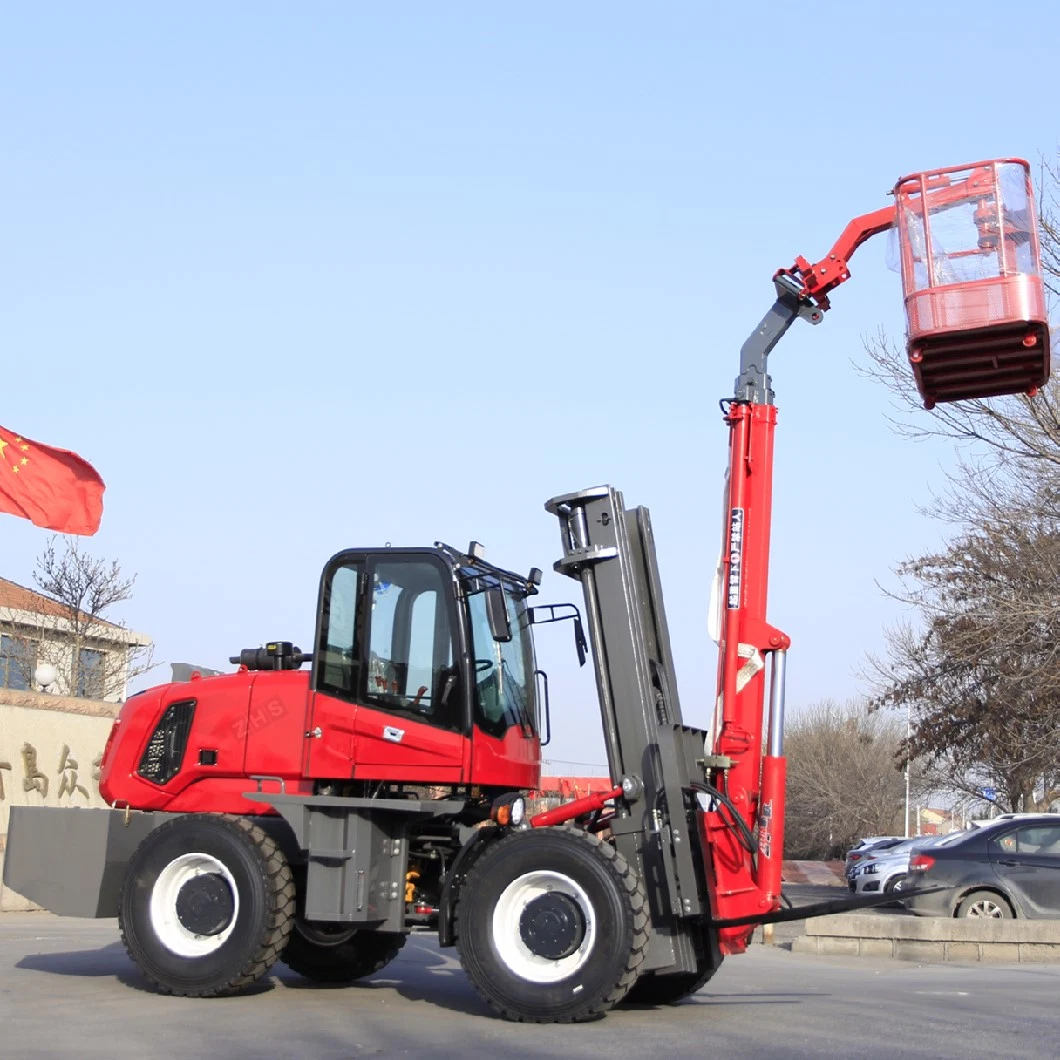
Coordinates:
<point>1008,868</point>
<point>884,873</point>
<point>870,845</point>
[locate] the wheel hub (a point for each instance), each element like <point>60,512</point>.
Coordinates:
<point>205,905</point>
<point>552,926</point>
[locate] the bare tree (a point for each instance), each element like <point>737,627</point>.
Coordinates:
<point>93,653</point>
<point>844,779</point>
<point>980,670</point>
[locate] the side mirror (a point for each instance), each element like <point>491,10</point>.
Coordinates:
<point>561,613</point>
<point>581,646</point>
<point>497,615</point>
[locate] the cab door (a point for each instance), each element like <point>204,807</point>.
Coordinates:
<point>410,724</point>
<point>388,701</point>
<point>337,670</point>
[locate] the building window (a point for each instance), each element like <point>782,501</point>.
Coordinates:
<point>90,682</point>
<point>18,659</point>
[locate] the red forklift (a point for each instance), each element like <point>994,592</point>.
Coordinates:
<point>312,807</point>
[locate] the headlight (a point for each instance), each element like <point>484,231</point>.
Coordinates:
<point>509,810</point>
<point>872,867</point>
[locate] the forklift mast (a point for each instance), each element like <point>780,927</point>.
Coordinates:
<point>656,759</point>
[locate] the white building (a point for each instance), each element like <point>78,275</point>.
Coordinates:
<point>90,656</point>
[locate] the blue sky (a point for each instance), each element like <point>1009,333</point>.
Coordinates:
<point>303,277</point>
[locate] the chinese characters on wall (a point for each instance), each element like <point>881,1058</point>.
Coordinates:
<point>67,774</point>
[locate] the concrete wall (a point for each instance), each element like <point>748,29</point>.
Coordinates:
<point>931,938</point>
<point>50,750</point>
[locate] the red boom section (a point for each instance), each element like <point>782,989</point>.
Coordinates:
<point>746,881</point>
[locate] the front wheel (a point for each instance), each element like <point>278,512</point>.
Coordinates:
<point>206,905</point>
<point>552,926</point>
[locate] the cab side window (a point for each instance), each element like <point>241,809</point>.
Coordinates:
<point>410,643</point>
<point>339,647</point>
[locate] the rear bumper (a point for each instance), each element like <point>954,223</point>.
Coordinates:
<point>70,860</point>
<point>937,903</point>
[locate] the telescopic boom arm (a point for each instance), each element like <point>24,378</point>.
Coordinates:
<point>747,882</point>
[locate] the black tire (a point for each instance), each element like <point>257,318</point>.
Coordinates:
<point>894,884</point>
<point>985,904</point>
<point>580,904</point>
<point>341,958</point>
<point>206,905</point>
<point>652,989</point>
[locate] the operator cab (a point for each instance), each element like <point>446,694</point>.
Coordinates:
<point>424,670</point>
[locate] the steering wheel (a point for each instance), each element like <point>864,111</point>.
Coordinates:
<point>482,665</point>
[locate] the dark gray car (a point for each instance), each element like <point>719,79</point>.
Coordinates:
<point>1002,870</point>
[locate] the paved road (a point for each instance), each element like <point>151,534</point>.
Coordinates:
<point>68,990</point>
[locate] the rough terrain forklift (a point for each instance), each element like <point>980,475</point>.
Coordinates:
<point>314,815</point>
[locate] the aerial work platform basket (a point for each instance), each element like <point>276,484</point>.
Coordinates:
<point>971,277</point>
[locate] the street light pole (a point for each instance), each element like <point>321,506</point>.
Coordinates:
<point>908,733</point>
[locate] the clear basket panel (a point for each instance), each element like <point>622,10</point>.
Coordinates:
<point>967,225</point>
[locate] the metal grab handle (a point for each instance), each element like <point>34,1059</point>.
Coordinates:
<point>261,778</point>
<point>547,712</point>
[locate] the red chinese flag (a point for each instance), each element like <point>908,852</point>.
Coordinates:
<point>50,487</point>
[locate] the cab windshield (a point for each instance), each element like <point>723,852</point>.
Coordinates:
<point>503,670</point>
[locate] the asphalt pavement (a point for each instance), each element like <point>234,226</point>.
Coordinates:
<point>67,989</point>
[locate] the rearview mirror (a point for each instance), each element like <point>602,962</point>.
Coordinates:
<point>497,614</point>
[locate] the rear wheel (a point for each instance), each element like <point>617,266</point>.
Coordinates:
<point>206,905</point>
<point>985,904</point>
<point>552,926</point>
<point>338,954</point>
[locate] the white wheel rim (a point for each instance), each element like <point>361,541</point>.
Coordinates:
<point>507,936</point>
<point>163,911</point>
<point>985,908</point>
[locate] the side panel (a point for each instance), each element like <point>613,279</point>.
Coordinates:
<point>356,868</point>
<point>275,726</point>
<point>511,761</point>
<point>329,748</point>
<point>219,725</point>
<point>395,746</point>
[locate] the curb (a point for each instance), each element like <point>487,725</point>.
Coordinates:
<point>934,939</point>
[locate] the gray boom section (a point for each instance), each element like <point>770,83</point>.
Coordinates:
<point>71,860</point>
<point>611,551</point>
<point>356,853</point>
